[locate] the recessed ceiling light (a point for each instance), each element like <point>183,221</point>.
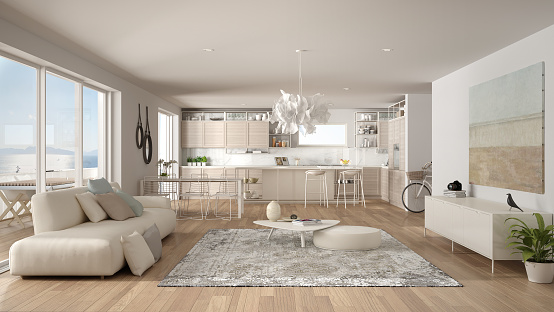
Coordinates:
<point>387,50</point>
<point>208,50</point>
<point>346,89</point>
<point>243,104</point>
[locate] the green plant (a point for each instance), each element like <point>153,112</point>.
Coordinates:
<point>204,159</point>
<point>534,244</point>
<point>189,159</point>
<point>198,159</point>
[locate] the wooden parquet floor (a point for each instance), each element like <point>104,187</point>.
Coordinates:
<point>505,290</point>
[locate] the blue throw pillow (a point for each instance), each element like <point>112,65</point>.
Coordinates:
<point>99,186</point>
<point>133,203</point>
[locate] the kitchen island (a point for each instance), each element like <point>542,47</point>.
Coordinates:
<point>286,183</point>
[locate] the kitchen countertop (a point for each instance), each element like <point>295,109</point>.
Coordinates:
<point>328,167</point>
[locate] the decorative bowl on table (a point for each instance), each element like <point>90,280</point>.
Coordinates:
<point>253,180</point>
<point>344,162</point>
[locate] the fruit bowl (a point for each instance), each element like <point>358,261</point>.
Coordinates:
<point>344,162</point>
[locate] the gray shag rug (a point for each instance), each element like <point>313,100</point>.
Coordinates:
<point>245,257</point>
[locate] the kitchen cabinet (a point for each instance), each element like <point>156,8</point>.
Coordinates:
<point>476,224</point>
<point>371,179</point>
<point>214,134</point>
<point>191,134</point>
<point>384,184</point>
<point>383,135</point>
<point>366,129</point>
<point>258,132</point>
<point>235,133</point>
<point>397,183</point>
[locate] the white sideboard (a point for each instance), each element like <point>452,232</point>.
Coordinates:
<point>476,224</point>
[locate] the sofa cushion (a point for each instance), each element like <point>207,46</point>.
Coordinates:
<point>138,255</point>
<point>154,241</point>
<point>114,206</point>
<point>135,205</point>
<point>90,206</point>
<point>87,249</point>
<point>99,186</point>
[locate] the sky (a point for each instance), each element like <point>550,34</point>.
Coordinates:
<point>18,96</point>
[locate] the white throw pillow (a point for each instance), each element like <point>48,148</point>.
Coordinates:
<point>137,253</point>
<point>90,206</point>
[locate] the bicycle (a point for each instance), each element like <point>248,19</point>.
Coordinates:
<point>420,185</point>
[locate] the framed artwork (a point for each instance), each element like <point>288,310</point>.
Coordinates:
<point>285,161</point>
<point>506,131</point>
<point>278,161</point>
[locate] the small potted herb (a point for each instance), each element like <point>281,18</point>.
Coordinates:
<point>189,161</point>
<point>198,161</point>
<point>204,160</point>
<point>535,246</point>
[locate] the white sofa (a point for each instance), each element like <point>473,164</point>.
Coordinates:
<point>66,243</point>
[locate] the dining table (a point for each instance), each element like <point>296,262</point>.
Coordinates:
<point>161,185</point>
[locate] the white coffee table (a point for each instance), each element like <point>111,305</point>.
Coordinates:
<point>298,228</point>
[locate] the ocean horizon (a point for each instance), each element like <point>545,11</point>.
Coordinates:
<point>27,162</point>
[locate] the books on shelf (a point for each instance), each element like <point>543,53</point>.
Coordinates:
<point>304,222</point>
<point>455,194</point>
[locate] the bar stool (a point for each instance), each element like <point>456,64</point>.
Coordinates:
<point>357,182</point>
<point>321,176</point>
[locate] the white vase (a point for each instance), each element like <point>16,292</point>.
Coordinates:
<point>273,211</point>
<point>539,272</point>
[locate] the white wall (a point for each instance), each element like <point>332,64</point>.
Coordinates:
<point>418,131</point>
<point>451,118</point>
<point>127,164</point>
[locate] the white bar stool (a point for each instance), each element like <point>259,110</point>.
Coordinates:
<point>321,176</point>
<point>357,182</point>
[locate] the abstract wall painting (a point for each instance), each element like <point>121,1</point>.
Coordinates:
<point>506,131</point>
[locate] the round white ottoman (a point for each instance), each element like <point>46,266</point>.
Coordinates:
<point>348,237</point>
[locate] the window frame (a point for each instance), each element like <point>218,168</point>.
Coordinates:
<point>40,156</point>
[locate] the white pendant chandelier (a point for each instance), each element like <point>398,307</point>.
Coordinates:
<point>292,111</point>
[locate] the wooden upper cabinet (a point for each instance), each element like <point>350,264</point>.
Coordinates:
<point>383,135</point>
<point>191,134</point>
<point>235,133</point>
<point>258,133</point>
<point>214,133</point>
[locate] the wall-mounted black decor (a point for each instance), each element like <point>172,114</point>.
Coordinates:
<point>147,142</point>
<point>139,134</point>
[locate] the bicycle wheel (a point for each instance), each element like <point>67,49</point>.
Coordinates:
<point>410,198</point>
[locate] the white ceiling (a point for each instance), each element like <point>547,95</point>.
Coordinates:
<point>158,44</point>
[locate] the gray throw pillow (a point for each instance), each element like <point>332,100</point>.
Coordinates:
<point>133,203</point>
<point>99,186</point>
<point>115,207</point>
<point>154,241</point>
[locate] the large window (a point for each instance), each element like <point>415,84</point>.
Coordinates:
<point>60,127</point>
<point>165,140</point>
<point>18,106</point>
<point>93,132</point>
<point>73,131</point>
<point>325,135</point>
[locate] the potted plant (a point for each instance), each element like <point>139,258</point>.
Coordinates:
<point>535,246</point>
<point>198,161</point>
<point>189,161</point>
<point>204,160</point>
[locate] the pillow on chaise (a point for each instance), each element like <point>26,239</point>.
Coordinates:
<point>133,203</point>
<point>153,239</point>
<point>115,207</point>
<point>99,186</point>
<point>90,206</point>
<point>136,251</point>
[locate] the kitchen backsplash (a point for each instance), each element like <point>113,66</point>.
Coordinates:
<point>307,156</point>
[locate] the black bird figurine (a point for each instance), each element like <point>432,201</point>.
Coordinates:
<point>512,203</point>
